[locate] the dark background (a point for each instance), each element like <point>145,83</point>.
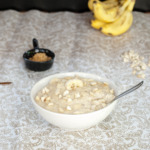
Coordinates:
<point>60,5</point>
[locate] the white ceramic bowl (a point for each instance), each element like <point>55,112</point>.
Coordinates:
<point>67,121</point>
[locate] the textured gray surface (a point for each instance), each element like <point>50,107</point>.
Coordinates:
<point>78,47</point>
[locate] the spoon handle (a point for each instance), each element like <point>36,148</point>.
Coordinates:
<point>129,91</point>
<point>35,43</point>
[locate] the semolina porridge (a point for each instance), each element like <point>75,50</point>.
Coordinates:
<point>74,95</point>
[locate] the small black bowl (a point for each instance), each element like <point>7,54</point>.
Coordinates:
<point>34,65</point>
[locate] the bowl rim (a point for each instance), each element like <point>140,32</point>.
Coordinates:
<point>73,73</point>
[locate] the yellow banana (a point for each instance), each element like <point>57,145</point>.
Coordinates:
<point>90,4</point>
<point>97,24</point>
<point>131,5</point>
<point>107,4</point>
<point>121,25</point>
<point>110,4</point>
<point>108,15</point>
<point>110,1</point>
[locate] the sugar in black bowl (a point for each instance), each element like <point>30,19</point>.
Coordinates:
<point>38,59</point>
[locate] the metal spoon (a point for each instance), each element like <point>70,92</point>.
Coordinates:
<point>128,91</point>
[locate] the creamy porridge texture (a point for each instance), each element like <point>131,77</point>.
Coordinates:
<point>74,95</point>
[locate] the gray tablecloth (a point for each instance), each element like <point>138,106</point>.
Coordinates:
<point>78,47</point>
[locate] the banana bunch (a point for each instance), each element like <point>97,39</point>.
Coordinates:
<point>112,17</point>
